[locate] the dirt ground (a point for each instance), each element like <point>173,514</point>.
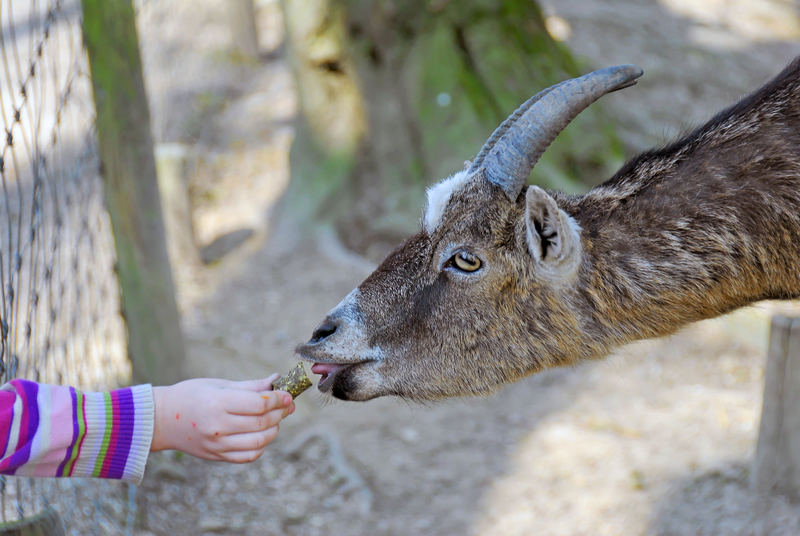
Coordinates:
<point>657,439</point>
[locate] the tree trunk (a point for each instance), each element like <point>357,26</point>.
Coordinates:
<point>777,462</point>
<point>396,95</point>
<point>155,341</point>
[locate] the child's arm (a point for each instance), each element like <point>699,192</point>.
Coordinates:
<point>51,430</point>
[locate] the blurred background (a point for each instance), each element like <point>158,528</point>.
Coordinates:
<point>291,145</point>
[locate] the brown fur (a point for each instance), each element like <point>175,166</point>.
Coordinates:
<point>691,231</point>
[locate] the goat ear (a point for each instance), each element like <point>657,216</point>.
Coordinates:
<point>553,237</point>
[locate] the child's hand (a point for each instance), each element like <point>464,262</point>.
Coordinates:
<point>219,419</point>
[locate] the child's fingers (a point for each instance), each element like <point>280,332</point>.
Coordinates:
<point>284,410</point>
<point>277,399</point>
<point>270,419</point>
<point>248,442</point>
<point>263,384</point>
<point>252,403</point>
<point>242,424</point>
<point>241,456</point>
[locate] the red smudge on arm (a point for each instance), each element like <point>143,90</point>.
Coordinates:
<point>177,416</point>
<point>194,424</point>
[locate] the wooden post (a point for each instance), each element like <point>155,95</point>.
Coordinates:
<point>242,22</point>
<point>155,341</point>
<point>777,462</point>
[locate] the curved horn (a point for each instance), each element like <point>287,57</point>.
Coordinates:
<point>510,153</point>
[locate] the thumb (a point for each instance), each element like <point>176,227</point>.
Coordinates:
<point>264,384</point>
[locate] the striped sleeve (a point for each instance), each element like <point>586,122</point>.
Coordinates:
<point>49,430</point>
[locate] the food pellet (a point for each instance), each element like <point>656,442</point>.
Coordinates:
<point>295,381</point>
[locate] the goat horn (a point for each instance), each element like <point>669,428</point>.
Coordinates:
<point>510,153</point>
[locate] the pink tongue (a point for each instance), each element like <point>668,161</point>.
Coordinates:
<point>325,369</point>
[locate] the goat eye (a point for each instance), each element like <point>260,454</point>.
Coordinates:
<point>466,262</point>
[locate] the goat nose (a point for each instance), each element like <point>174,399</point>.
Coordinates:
<point>325,330</point>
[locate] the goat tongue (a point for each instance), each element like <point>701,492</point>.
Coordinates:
<point>325,369</point>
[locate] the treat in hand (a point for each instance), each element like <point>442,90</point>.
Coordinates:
<point>295,381</point>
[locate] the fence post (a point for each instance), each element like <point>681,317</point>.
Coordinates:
<point>242,22</point>
<point>777,461</point>
<point>155,341</point>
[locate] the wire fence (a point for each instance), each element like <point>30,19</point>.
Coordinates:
<point>59,302</point>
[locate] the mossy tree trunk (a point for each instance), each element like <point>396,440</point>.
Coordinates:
<point>155,340</point>
<point>397,94</point>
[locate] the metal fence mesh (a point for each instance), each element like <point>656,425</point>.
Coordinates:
<point>59,301</point>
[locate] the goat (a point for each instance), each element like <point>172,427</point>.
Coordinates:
<point>504,280</point>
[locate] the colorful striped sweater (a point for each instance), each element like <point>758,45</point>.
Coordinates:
<point>50,430</point>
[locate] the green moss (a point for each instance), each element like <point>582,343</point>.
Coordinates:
<point>155,343</point>
<point>317,177</point>
<point>452,115</point>
<point>485,64</point>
